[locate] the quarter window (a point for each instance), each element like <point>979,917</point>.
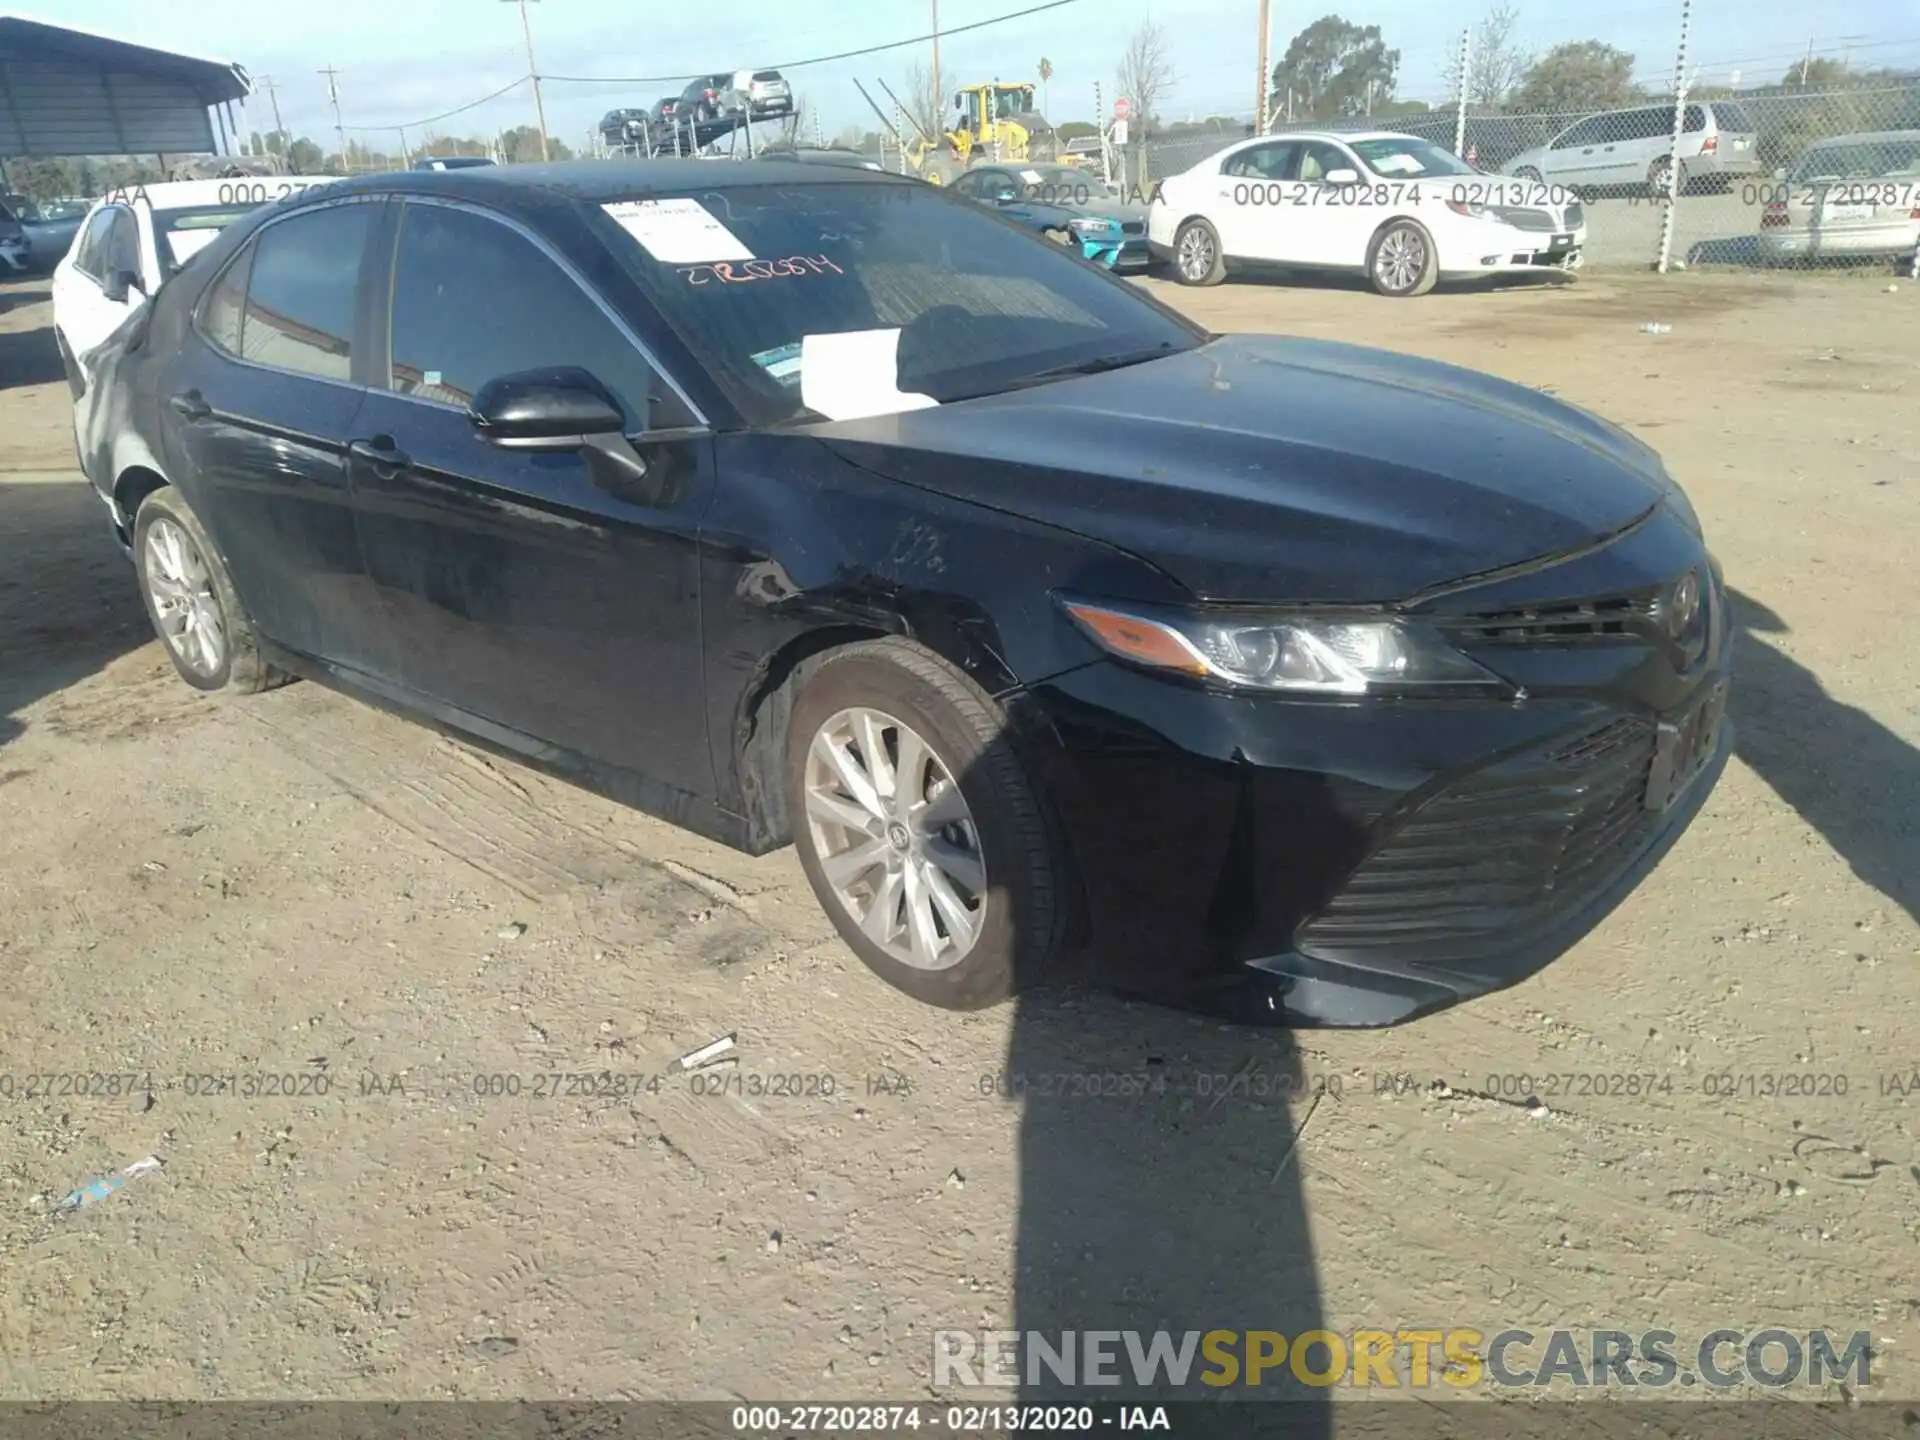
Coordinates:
<point>300,296</point>
<point>474,300</point>
<point>223,311</point>
<point>1263,162</point>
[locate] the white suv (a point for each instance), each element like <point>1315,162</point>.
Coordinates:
<point>767,92</point>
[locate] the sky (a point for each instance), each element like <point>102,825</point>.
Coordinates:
<point>403,63</point>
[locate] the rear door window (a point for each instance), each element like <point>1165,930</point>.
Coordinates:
<point>302,291</point>
<point>1272,161</point>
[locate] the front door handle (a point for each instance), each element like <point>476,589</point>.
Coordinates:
<point>380,456</point>
<point>191,404</point>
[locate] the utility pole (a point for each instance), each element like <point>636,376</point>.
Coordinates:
<point>273,95</point>
<point>1260,93</point>
<point>939,95</point>
<point>533,74</point>
<point>340,130</point>
<point>1807,64</point>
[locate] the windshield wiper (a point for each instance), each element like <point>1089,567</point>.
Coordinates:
<point>1099,364</point>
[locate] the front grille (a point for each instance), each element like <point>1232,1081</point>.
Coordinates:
<point>1541,220</point>
<point>1548,624</point>
<point>1133,227</point>
<point>1498,858</point>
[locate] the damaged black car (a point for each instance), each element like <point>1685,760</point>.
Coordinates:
<point>1305,683</point>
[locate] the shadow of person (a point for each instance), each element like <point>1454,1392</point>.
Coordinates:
<point>1159,1179</point>
<point>1848,776</point>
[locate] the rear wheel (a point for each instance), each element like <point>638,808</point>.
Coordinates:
<point>1527,173</point>
<point>191,601</point>
<point>1197,258</point>
<point>1401,261</point>
<point>919,828</point>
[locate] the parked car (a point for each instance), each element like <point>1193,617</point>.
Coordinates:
<point>132,241</point>
<point>851,159</point>
<point>15,252</point>
<point>621,128</point>
<point>1403,211</point>
<point>806,505</point>
<point>1067,205</point>
<point>710,106</point>
<point>1719,143</point>
<point>1849,197</point>
<point>50,226</point>
<point>451,162</point>
<point>767,93</point>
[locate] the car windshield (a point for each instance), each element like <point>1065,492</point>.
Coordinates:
<point>980,305</point>
<point>185,233</point>
<point>1866,159</point>
<point>1408,158</point>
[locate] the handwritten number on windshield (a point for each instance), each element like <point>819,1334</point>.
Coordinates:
<point>726,272</point>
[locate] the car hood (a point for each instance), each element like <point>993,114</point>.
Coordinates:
<point>1259,468</point>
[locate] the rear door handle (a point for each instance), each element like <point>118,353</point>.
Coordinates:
<point>191,405</point>
<point>380,456</point>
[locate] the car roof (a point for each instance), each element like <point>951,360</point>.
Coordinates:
<point>1348,136</point>
<point>603,181</point>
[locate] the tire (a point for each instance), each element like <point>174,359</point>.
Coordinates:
<point>1197,258</point>
<point>1006,872</point>
<point>167,535</point>
<point>1657,179</point>
<point>1528,174</point>
<point>1401,261</point>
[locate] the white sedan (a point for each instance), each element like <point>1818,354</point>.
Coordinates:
<point>1401,210</point>
<point>132,240</point>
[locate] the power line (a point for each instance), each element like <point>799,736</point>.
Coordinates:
<point>821,59</point>
<point>449,114</point>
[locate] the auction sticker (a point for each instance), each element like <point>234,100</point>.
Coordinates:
<point>678,232</point>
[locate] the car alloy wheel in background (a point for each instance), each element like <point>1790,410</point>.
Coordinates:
<point>1196,254</point>
<point>1402,262</point>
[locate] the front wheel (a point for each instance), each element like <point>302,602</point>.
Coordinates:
<point>1197,257</point>
<point>1401,262</point>
<point>919,828</point>
<point>191,600</point>
<point>1528,174</point>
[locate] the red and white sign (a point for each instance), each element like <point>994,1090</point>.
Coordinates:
<point>1122,108</point>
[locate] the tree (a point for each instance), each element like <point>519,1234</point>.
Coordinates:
<point>1495,64</point>
<point>305,158</point>
<point>521,146</point>
<point>1579,76</point>
<point>1817,75</point>
<point>1045,72</point>
<point>1146,74</point>
<point>1075,130</point>
<point>1334,68</point>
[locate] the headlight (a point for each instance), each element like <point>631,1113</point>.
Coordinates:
<point>1296,654</point>
<point>1091,227</point>
<point>1470,210</point>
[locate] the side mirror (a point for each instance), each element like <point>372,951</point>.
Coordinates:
<point>120,284</point>
<point>1342,176</point>
<point>555,410</point>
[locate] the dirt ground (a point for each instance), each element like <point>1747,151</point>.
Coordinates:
<point>297,886</point>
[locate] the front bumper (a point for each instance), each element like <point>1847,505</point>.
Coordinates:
<point>1127,253</point>
<point>1508,250</point>
<point>1862,242</point>
<point>1361,864</point>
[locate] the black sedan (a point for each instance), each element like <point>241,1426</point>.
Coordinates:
<point>1303,682</point>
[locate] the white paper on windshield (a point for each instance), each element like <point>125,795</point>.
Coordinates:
<point>678,232</point>
<point>855,375</point>
<point>1397,165</point>
<point>1032,177</point>
<point>186,244</point>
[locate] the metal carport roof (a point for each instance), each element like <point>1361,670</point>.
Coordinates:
<point>70,92</point>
